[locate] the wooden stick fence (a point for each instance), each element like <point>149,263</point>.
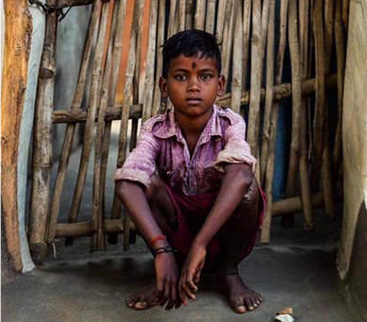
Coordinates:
<point>311,26</point>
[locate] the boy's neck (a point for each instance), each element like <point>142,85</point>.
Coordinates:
<point>193,125</point>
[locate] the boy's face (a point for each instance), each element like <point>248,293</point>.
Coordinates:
<point>192,84</point>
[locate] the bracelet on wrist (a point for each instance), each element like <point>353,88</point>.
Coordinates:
<point>163,249</point>
<point>156,239</point>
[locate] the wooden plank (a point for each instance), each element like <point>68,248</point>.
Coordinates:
<point>17,35</point>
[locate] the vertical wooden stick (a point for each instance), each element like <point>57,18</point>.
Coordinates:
<point>265,231</point>
<point>172,21</point>
<point>237,61</point>
<point>189,14</point>
<point>199,22</point>
<point>296,99</point>
<point>246,40</point>
<point>181,14</point>
<point>159,56</point>
<point>149,74</point>
<point>70,129</point>
<point>220,21</point>
<point>345,14</point>
<point>269,91</point>
<point>304,13</point>
<point>17,36</point>
<point>210,16</point>
<point>340,58</point>
<point>42,142</point>
<point>91,113</point>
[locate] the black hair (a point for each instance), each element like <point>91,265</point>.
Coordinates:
<point>192,42</point>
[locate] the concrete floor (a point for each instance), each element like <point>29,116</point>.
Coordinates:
<point>296,270</point>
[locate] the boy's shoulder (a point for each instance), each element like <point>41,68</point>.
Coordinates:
<point>228,114</point>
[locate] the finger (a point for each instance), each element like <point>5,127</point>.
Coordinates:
<point>190,282</point>
<point>181,292</point>
<point>197,277</point>
<point>173,298</point>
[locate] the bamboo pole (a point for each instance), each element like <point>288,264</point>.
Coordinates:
<point>304,12</point>
<point>340,59</point>
<point>237,61</point>
<point>269,91</point>
<point>296,99</point>
<point>70,129</point>
<point>345,14</point>
<point>220,21</point>
<point>210,16</point>
<point>149,74</point>
<point>189,13</point>
<point>280,92</point>
<point>265,231</point>
<point>128,99</point>
<point>228,38</point>
<point>89,127</point>
<point>329,10</point>
<point>199,18</point>
<point>319,118</point>
<point>159,56</point>
<point>139,68</point>
<point>246,39</point>
<point>181,14</point>
<point>171,19</point>
<point>42,142</point>
<point>98,214</point>
<point>17,35</point>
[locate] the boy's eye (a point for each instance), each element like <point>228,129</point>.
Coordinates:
<point>206,76</point>
<point>180,77</point>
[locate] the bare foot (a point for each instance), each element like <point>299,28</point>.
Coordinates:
<point>149,298</point>
<point>143,300</point>
<point>241,298</point>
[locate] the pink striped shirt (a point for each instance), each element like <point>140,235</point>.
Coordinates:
<point>162,148</point>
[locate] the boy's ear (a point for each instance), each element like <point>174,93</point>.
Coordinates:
<point>221,85</point>
<point>163,87</point>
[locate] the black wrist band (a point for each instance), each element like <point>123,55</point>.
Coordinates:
<point>164,249</point>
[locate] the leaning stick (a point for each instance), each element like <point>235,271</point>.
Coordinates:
<point>89,127</point>
<point>199,19</point>
<point>246,40</point>
<point>345,14</point>
<point>269,91</point>
<point>296,99</point>
<point>128,100</point>
<point>210,16</point>
<point>265,231</point>
<point>228,37</point>
<point>320,91</point>
<point>304,11</point>
<point>171,19</point>
<point>99,239</point>
<point>181,14</point>
<point>222,4</point>
<point>150,64</point>
<point>42,146</point>
<point>237,61</point>
<point>70,129</point>
<point>138,68</point>
<point>159,56</point>
<point>329,28</point>
<point>340,59</point>
<point>189,13</point>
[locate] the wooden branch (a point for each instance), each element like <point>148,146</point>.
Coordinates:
<point>85,228</point>
<point>42,142</point>
<point>70,129</point>
<point>199,19</point>
<point>17,34</point>
<point>135,112</point>
<point>246,40</point>
<point>189,14</point>
<point>210,16</point>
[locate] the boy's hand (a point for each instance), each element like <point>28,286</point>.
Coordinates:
<point>190,274</point>
<point>167,280</point>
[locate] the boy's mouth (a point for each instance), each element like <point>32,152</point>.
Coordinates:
<point>194,100</point>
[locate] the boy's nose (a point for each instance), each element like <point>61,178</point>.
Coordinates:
<point>193,85</point>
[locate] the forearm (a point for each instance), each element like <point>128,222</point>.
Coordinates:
<point>133,197</point>
<point>235,185</point>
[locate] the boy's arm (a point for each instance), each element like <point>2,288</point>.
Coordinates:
<point>133,197</point>
<point>235,184</point>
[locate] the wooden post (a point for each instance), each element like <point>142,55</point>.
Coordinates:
<point>210,16</point>
<point>265,231</point>
<point>42,142</point>
<point>200,14</point>
<point>70,129</point>
<point>246,40</point>
<point>18,33</point>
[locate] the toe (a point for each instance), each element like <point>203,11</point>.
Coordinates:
<point>249,304</point>
<point>238,306</point>
<point>140,305</point>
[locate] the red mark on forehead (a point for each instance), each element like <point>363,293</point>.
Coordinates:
<point>193,65</point>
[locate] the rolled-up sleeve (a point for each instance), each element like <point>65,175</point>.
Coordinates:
<point>140,163</point>
<point>236,149</point>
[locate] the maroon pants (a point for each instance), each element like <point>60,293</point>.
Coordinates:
<point>191,212</point>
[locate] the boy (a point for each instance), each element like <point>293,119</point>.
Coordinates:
<point>189,185</point>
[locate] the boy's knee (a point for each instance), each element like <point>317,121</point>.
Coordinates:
<point>252,194</point>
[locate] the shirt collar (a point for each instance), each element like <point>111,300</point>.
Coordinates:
<point>170,128</point>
